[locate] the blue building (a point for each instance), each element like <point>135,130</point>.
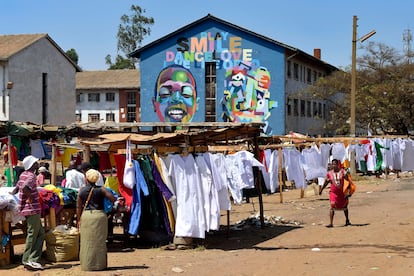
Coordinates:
<point>214,71</point>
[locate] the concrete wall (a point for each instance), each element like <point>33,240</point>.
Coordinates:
<point>4,94</point>
<point>25,70</point>
<point>307,121</point>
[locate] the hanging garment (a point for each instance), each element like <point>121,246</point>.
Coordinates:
<point>112,183</point>
<point>140,185</point>
<point>312,163</point>
<point>190,220</point>
<point>211,203</point>
<point>124,191</point>
<point>37,149</point>
<point>339,152</point>
<point>294,167</point>
<point>164,194</point>
<point>273,170</point>
<point>407,148</point>
<point>217,164</point>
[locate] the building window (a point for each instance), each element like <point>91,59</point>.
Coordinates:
<point>210,80</point>
<point>289,69</point>
<point>93,117</point>
<point>110,97</point>
<point>315,109</point>
<point>131,106</point>
<point>289,107</point>
<point>295,107</point>
<point>308,109</point>
<point>315,76</point>
<point>320,110</point>
<point>296,71</point>
<point>79,97</point>
<point>44,99</point>
<point>309,75</point>
<point>110,117</point>
<point>78,117</point>
<point>93,97</point>
<point>302,108</point>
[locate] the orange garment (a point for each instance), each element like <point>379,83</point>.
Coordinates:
<point>351,184</point>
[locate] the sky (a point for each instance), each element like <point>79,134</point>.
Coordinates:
<point>90,26</point>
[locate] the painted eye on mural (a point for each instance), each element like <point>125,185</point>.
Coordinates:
<point>187,91</point>
<point>164,91</point>
<point>237,77</point>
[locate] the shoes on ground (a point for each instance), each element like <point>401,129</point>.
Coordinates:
<point>33,266</point>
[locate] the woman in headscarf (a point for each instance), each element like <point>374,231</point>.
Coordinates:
<point>93,223</point>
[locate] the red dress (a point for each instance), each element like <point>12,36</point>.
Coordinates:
<point>336,194</point>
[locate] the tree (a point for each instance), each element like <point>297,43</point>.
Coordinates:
<point>384,95</point>
<point>73,55</point>
<point>132,31</point>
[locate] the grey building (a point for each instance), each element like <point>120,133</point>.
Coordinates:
<point>37,80</point>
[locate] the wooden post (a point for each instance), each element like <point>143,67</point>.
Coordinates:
<point>259,181</point>
<point>87,154</point>
<point>280,173</point>
<point>9,153</point>
<point>53,167</point>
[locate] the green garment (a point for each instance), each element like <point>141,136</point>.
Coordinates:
<point>378,148</point>
<point>8,176</point>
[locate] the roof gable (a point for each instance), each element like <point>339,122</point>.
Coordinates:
<point>212,18</point>
<point>13,44</point>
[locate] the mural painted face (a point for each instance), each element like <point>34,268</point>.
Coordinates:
<point>175,97</point>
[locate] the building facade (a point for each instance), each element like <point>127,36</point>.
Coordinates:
<point>107,96</point>
<point>37,80</point>
<point>214,71</point>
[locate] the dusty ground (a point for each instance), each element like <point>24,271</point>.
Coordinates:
<point>294,242</point>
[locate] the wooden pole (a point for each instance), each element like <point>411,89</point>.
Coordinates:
<point>280,173</point>
<point>53,167</point>
<point>259,181</point>
<point>87,154</point>
<point>9,154</point>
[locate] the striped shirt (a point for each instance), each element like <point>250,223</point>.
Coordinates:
<point>27,208</point>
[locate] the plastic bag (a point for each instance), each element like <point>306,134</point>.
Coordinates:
<point>129,170</point>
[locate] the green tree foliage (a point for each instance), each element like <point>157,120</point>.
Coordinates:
<point>384,93</point>
<point>73,55</point>
<point>132,31</point>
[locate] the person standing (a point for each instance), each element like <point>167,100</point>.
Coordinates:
<point>338,198</point>
<point>93,223</point>
<point>75,179</point>
<point>42,175</point>
<point>29,207</point>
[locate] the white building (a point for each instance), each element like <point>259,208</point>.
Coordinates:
<point>107,96</point>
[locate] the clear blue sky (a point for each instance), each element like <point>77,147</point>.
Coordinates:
<point>90,26</point>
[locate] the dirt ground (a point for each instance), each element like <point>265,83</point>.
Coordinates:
<point>294,240</point>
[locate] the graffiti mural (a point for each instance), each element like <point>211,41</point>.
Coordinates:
<point>246,84</point>
<point>175,96</point>
<point>247,95</point>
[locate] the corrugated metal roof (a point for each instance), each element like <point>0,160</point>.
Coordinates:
<point>110,79</point>
<point>12,44</point>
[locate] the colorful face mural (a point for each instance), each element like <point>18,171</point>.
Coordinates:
<point>246,95</point>
<point>175,98</point>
